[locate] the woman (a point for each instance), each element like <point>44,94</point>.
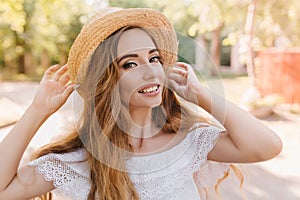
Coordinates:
<point>135,139</point>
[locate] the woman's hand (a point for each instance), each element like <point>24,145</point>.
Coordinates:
<point>53,91</point>
<point>184,82</point>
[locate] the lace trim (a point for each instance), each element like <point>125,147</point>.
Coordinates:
<point>68,172</point>
<point>173,159</point>
<point>205,141</point>
<point>168,185</point>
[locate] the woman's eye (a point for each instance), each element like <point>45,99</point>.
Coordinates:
<point>154,59</point>
<point>129,65</point>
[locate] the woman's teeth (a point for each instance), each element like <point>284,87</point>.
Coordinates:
<point>149,90</point>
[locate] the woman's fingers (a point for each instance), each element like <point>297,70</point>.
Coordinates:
<point>69,89</point>
<point>183,65</point>
<point>179,71</point>
<point>49,72</point>
<point>179,79</point>
<point>58,74</point>
<point>183,81</point>
<point>179,75</point>
<point>64,79</point>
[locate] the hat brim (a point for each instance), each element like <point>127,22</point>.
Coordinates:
<point>101,27</point>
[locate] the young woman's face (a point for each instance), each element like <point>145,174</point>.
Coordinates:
<point>141,73</point>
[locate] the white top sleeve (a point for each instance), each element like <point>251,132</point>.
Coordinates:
<point>209,173</point>
<point>206,138</point>
<point>69,173</point>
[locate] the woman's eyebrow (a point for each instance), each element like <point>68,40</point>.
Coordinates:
<point>126,56</point>
<point>153,50</point>
<point>134,55</point>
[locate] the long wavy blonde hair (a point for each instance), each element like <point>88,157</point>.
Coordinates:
<point>99,131</point>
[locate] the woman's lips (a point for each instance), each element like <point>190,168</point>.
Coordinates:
<point>149,89</point>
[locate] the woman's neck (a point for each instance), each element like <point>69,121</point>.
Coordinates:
<point>141,116</point>
<point>142,126</point>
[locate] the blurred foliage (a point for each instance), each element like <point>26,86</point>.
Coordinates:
<point>37,33</point>
<point>276,22</point>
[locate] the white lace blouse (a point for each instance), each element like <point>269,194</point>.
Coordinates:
<point>177,173</point>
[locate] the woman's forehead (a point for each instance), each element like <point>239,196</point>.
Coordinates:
<point>134,40</point>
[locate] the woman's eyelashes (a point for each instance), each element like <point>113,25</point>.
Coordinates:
<point>131,64</point>
<point>154,59</point>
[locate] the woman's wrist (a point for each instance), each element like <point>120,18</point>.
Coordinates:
<point>204,98</point>
<point>37,112</point>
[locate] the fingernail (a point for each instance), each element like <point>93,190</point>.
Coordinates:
<point>76,86</point>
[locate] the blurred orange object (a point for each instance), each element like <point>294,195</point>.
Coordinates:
<point>279,73</point>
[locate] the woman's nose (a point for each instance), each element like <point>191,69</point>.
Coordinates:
<point>150,71</point>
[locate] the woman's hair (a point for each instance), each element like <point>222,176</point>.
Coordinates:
<point>103,120</point>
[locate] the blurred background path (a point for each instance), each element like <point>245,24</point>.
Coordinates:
<point>277,179</point>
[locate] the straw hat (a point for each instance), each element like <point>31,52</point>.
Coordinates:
<point>107,21</point>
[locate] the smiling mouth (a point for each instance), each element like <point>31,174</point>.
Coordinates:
<point>150,89</point>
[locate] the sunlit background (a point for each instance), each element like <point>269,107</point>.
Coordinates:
<point>37,33</point>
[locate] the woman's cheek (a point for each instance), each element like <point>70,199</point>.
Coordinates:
<point>128,86</point>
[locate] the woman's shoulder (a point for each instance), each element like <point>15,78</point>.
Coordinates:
<point>205,135</point>
<point>76,156</point>
<point>62,168</point>
<point>69,173</point>
<point>208,126</point>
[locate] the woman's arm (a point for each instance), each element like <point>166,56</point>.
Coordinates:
<point>247,139</point>
<point>50,96</point>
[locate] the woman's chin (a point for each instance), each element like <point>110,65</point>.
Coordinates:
<point>146,104</point>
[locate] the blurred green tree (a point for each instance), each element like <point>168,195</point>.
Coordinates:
<point>207,21</point>
<point>278,23</point>
<point>37,33</point>
<point>215,20</point>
